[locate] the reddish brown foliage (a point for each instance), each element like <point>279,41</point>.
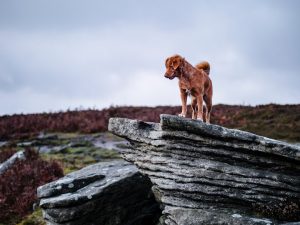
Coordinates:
<point>277,121</point>
<point>19,183</point>
<point>6,153</point>
<point>85,121</point>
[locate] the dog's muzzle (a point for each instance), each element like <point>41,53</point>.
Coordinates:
<point>169,77</point>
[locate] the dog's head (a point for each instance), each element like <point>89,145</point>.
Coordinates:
<point>173,64</point>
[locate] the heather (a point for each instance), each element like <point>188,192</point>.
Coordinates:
<point>272,120</point>
<point>19,183</point>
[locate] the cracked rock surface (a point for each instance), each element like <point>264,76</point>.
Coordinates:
<point>208,174</point>
<point>110,193</point>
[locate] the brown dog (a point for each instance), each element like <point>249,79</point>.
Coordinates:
<point>194,81</point>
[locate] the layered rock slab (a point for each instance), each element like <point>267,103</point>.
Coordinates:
<point>209,174</point>
<point>111,193</point>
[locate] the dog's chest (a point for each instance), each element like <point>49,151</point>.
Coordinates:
<point>187,87</point>
<point>184,84</point>
<point>188,92</point>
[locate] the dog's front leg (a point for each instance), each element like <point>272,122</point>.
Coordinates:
<point>200,107</point>
<point>183,96</point>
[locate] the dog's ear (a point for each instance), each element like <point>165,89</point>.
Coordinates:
<point>167,61</point>
<point>177,62</point>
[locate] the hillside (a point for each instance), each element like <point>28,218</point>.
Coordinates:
<point>274,121</point>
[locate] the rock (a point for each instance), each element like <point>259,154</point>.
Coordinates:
<point>3,143</point>
<point>20,155</point>
<point>52,149</point>
<point>108,193</point>
<point>110,145</point>
<point>208,174</point>
<point>46,136</point>
<point>26,144</point>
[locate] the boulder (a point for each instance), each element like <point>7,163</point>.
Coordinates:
<point>207,174</point>
<point>111,193</point>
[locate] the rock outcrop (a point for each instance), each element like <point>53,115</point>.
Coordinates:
<point>110,193</point>
<point>208,174</point>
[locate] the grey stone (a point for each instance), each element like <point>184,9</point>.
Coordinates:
<point>3,143</point>
<point>104,193</point>
<point>26,143</point>
<point>46,136</point>
<point>204,217</point>
<point>111,145</point>
<point>20,155</point>
<point>208,174</point>
<point>52,149</point>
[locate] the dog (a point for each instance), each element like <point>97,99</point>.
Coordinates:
<point>193,81</point>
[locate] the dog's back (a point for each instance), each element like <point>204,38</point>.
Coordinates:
<point>203,66</point>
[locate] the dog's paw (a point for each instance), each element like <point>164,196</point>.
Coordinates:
<point>182,115</point>
<point>200,119</point>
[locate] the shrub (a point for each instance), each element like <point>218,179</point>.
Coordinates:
<point>19,183</point>
<point>276,121</point>
<point>6,153</point>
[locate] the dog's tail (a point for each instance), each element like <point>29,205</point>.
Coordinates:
<point>204,66</point>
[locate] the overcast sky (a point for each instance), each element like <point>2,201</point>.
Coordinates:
<point>62,54</point>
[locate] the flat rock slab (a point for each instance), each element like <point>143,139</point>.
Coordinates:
<point>104,193</point>
<point>211,174</point>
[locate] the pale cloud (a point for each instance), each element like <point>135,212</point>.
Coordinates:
<point>147,88</point>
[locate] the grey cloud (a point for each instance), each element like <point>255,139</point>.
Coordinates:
<point>70,14</point>
<point>99,53</point>
<point>68,62</point>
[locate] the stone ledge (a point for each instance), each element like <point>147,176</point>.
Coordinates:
<point>209,168</point>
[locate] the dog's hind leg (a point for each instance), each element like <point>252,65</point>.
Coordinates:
<point>208,102</point>
<point>200,107</point>
<point>194,107</point>
<point>204,112</point>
